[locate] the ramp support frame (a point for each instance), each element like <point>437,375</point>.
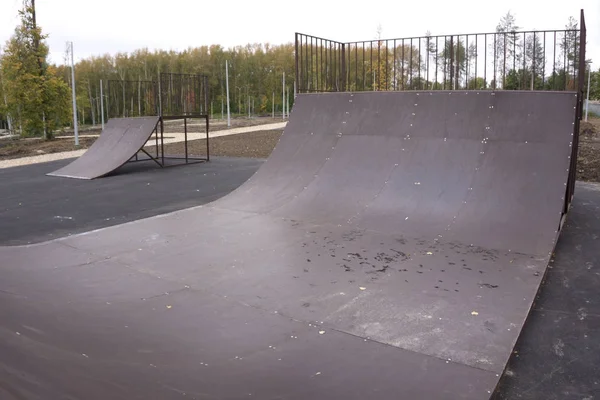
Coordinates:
<point>159,156</point>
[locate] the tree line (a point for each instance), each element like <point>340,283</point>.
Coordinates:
<point>35,97</point>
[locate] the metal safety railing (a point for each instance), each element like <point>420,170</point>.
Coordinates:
<point>514,60</point>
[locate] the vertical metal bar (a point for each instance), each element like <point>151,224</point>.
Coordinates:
<point>308,88</point>
<point>515,52</point>
<point>323,77</point>
<point>371,73</point>
<point>207,140</point>
<point>544,64</point>
<point>298,78</point>
<point>402,69</point>
<point>451,62</point>
<point>428,44</point>
<point>387,65</point>
<point>356,66</point>
<point>311,62</point>
<point>436,57</point>
<point>162,141</point>
<point>156,136</point>
<point>419,65</point>
<point>378,87</point>
<point>565,65</point>
<point>327,66</point>
<point>476,59</point>
<point>533,62</point>
<point>575,58</point>
<point>410,64</point>
<point>504,63</point>
<point>554,64</point>
<point>185,141</point>
<point>314,64</point>
<point>395,77</point>
<point>205,81</point>
<point>466,61</point>
<point>348,74</point>
<point>335,66</point>
<point>343,56</point>
<point>445,69</point>
<point>495,59</point>
<point>524,58</point>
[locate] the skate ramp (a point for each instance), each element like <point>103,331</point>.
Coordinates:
<point>391,247</point>
<point>120,140</point>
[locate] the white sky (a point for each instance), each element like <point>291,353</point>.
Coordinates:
<point>108,26</point>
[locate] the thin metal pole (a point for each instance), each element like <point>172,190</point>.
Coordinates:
<point>159,95</point>
<point>162,141</point>
<point>186,138</point>
<point>296,60</point>
<point>273,107</point>
<point>75,128</point>
<point>207,140</point>
<point>587,102</point>
<point>227,86</point>
<point>283,94</point>
<point>102,104</point>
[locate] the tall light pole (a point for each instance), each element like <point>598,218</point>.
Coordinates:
<point>73,94</point>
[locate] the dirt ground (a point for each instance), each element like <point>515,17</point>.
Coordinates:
<point>588,161</point>
<point>260,144</point>
<point>17,148</point>
<point>196,125</point>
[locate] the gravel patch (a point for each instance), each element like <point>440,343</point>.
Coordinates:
<point>257,144</point>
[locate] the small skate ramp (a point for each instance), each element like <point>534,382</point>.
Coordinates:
<point>120,140</point>
<point>391,247</point>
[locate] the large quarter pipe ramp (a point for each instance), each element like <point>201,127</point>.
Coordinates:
<point>390,248</point>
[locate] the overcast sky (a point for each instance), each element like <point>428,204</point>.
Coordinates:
<point>108,26</point>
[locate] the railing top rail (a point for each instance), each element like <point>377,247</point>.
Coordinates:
<point>445,36</point>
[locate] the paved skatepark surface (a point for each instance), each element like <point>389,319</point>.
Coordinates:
<point>558,354</point>
<point>365,267</point>
<point>120,140</point>
<point>36,208</point>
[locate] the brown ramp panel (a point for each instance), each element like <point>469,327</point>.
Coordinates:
<point>120,140</point>
<point>390,248</point>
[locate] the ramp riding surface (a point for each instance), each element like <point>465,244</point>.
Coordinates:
<point>391,247</point>
<point>120,140</point>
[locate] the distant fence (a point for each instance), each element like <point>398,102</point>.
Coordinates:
<point>131,98</point>
<point>172,94</point>
<point>183,94</point>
